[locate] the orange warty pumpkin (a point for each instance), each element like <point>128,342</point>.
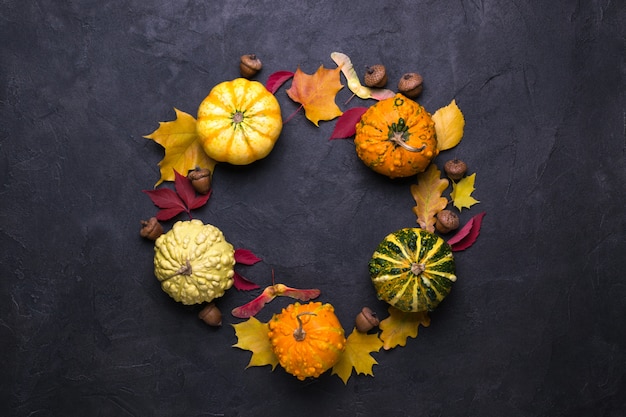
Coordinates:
<point>307,339</point>
<point>396,137</point>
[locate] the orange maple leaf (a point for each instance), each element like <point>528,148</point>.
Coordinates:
<point>317,93</point>
<point>183,151</point>
<point>427,195</point>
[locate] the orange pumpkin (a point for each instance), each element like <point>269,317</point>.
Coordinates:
<point>396,137</point>
<point>307,339</point>
<point>239,122</point>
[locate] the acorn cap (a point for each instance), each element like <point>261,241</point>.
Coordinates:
<point>411,84</point>
<point>375,76</point>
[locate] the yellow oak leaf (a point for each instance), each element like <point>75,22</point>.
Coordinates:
<point>252,335</point>
<point>462,192</point>
<point>183,152</point>
<point>400,325</point>
<point>449,125</point>
<point>317,93</point>
<point>357,355</point>
<point>354,84</point>
<point>427,195</point>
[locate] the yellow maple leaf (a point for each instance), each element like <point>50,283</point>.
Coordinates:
<point>252,335</point>
<point>400,325</point>
<point>427,195</point>
<point>183,151</point>
<point>449,124</point>
<point>317,93</point>
<point>462,192</point>
<point>357,355</point>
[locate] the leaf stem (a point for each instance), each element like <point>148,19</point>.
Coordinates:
<point>293,114</point>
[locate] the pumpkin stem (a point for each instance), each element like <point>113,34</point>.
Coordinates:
<point>398,134</point>
<point>299,334</point>
<point>238,117</point>
<point>185,269</point>
<point>417,268</point>
<point>399,140</point>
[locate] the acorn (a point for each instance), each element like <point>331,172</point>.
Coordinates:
<point>447,221</point>
<point>249,65</point>
<point>211,315</point>
<point>200,179</point>
<point>151,229</point>
<point>375,76</point>
<point>366,320</point>
<point>411,84</point>
<point>455,169</point>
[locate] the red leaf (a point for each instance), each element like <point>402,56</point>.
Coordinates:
<point>246,257</point>
<point>200,200</point>
<point>166,214</point>
<point>346,124</point>
<point>243,284</point>
<point>184,189</point>
<point>277,79</point>
<point>165,198</point>
<point>468,234</point>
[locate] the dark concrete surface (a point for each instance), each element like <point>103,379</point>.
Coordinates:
<point>534,325</point>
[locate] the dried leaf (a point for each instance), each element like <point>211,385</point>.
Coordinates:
<point>269,293</point>
<point>354,84</point>
<point>183,151</point>
<point>277,79</point>
<point>357,355</point>
<point>400,325</point>
<point>242,283</point>
<point>449,125</point>
<point>346,124</point>
<point>317,93</point>
<point>246,257</point>
<point>462,192</point>
<point>467,235</point>
<point>427,195</point>
<point>252,335</point>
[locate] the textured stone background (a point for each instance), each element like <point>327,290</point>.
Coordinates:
<point>534,325</point>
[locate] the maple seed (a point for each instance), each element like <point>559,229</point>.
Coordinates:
<point>151,228</point>
<point>447,221</point>
<point>249,65</point>
<point>411,84</point>
<point>200,180</point>
<point>366,320</point>
<point>211,315</point>
<point>375,76</point>
<point>455,169</point>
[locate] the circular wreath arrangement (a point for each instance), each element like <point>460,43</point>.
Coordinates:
<point>412,269</point>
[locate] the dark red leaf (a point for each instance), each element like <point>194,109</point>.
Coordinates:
<point>275,80</point>
<point>468,234</point>
<point>200,200</point>
<point>184,189</point>
<point>165,198</point>
<point>166,214</point>
<point>246,257</point>
<point>346,124</point>
<point>243,284</point>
